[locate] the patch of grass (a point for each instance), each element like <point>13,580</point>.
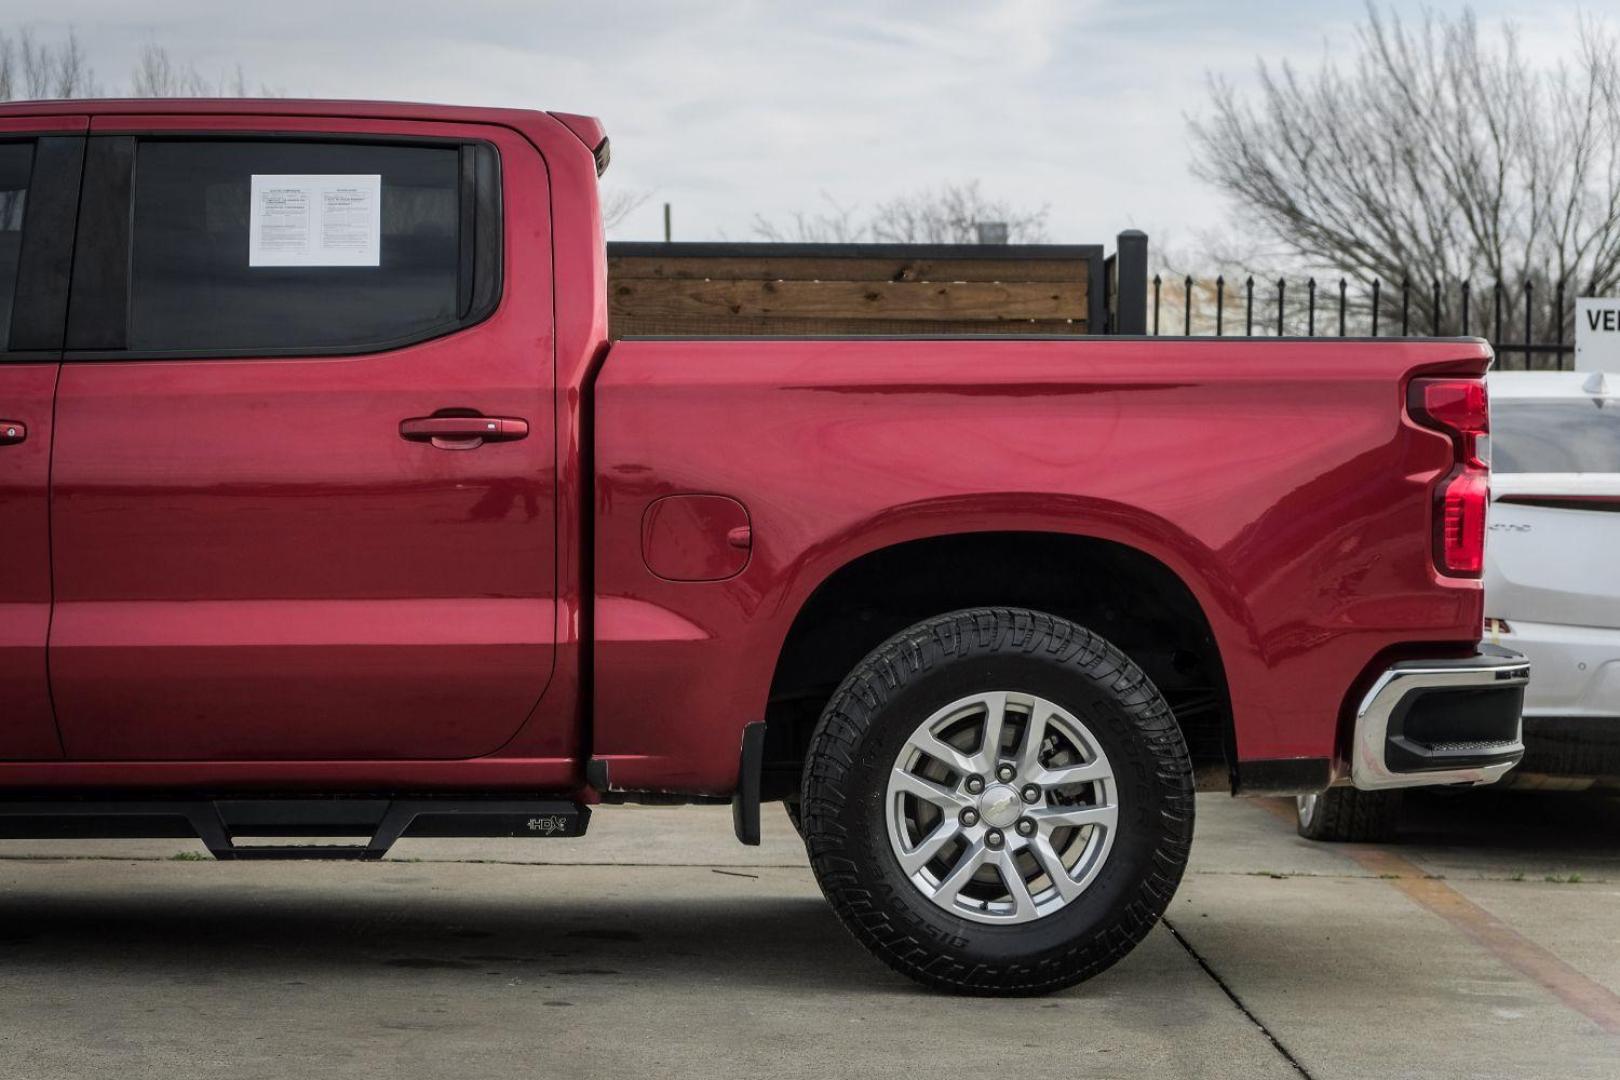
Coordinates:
<point>188,856</point>
<point>1563,879</point>
<point>1389,877</point>
<point>1517,875</point>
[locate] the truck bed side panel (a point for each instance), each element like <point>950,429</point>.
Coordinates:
<point>1280,481</point>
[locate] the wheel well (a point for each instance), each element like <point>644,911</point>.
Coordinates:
<point>1128,597</point>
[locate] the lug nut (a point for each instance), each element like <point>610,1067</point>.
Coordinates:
<point>1006,772</point>
<point>974,785</point>
<point>969,817</point>
<point>993,838</point>
<point>1031,793</point>
<point>1026,827</point>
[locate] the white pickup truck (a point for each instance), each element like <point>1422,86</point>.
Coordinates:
<point>1552,588</point>
<point>1552,572</point>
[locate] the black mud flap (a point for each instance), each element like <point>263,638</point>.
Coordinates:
<point>745,803</point>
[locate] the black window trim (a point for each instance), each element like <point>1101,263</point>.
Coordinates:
<point>98,306</point>
<point>103,273</point>
<point>45,251</point>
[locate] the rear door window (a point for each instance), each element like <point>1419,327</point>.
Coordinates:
<point>194,284</point>
<point>1555,436</point>
<point>16,163</point>
<point>204,246</point>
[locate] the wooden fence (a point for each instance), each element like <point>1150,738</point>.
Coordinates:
<point>682,289</point>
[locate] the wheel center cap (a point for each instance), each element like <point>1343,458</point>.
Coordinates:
<point>1000,806</point>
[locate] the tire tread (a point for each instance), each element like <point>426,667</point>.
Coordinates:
<point>1353,816</point>
<point>858,703</point>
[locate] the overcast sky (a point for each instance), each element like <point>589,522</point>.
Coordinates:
<point>731,108</point>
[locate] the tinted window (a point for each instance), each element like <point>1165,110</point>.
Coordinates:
<point>191,283</point>
<point>1555,436</point>
<point>16,161</point>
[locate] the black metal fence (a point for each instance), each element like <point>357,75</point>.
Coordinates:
<point>1524,329</point>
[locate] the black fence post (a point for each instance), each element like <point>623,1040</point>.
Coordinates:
<point>1465,290</point>
<point>1558,319</point>
<point>1343,288</point>
<point>1186,297</point>
<point>1220,303</point>
<point>1158,283</point>
<point>1102,304</point>
<point>1310,308</point>
<point>1248,317</point>
<point>1132,261</point>
<point>1529,322</point>
<point>1375,307</point>
<point>1282,289</point>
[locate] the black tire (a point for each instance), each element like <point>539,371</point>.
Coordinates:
<point>1349,815</point>
<point>924,668</point>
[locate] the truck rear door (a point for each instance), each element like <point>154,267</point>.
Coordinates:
<point>304,484</point>
<point>39,179</point>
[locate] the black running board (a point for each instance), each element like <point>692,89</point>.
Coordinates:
<point>219,823</point>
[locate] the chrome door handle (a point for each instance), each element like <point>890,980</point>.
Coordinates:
<point>12,431</point>
<point>462,432</point>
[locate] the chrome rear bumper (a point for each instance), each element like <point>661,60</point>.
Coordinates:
<point>1433,722</point>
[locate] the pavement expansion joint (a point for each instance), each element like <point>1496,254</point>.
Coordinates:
<point>1231,995</point>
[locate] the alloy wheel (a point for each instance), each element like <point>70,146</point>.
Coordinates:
<point>1002,807</point>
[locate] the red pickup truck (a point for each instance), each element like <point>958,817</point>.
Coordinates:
<point>329,510</point>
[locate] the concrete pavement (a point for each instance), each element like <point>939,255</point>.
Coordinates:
<point>659,947</point>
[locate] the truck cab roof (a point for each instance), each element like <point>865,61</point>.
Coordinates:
<point>588,128</point>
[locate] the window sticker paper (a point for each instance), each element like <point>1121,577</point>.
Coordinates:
<point>315,220</point>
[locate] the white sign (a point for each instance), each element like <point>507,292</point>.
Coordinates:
<point>331,220</point>
<point>1597,333</point>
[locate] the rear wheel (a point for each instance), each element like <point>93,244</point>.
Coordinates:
<point>1349,815</point>
<point>998,801</point>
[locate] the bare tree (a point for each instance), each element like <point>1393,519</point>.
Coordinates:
<point>38,70</point>
<point>620,203</point>
<point>836,224</point>
<point>1437,155</point>
<point>32,70</point>
<point>950,214</point>
<point>158,75</point>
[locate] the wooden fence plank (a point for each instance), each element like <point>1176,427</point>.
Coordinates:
<point>756,326</point>
<point>978,301</point>
<point>801,268</point>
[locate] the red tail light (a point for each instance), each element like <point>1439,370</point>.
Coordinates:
<point>1460,409</point>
